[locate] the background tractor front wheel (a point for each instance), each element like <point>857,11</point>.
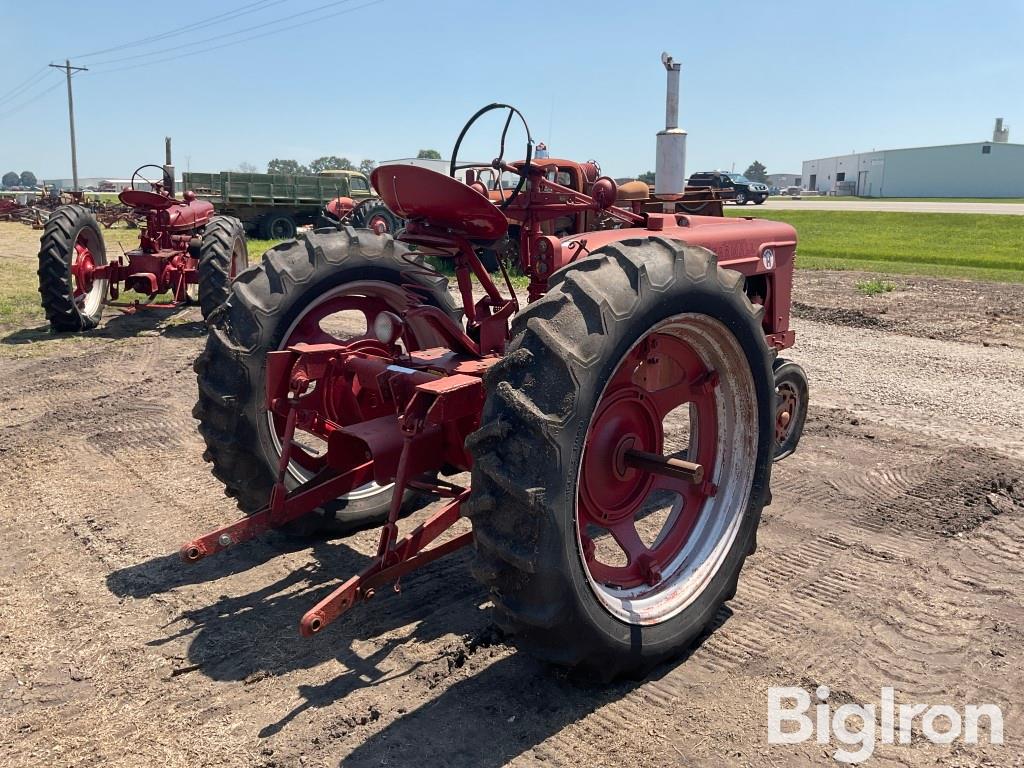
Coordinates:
<point>223,255</point>
<point>594,562</point>
<point>71,249</point>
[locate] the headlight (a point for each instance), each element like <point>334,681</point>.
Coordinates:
<point>387,327</point>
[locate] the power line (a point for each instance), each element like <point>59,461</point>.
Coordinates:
<point>219,18</point>
<point>33,100</point>
<point>25,85</point>
<point>150,54</point>
<point>275,31</point>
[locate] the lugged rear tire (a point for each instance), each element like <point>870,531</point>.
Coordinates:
<point>66,226</point>
<point>527,454</point>
<point>223,254</point>
<point>260,309</point>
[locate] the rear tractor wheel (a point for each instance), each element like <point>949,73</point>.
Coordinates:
<point>375,216</point>
<point>326,287</point>
<point>625,457</point>
<point>71,249</point>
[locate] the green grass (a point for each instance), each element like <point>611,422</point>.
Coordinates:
<point>837,199</point>
<point>19,295</point>
<point>978,246</point>
<point>258,247</point>
<point>874,286</point>
<point>19,284</point>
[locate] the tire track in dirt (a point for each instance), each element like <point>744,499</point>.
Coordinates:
<point>856,584</point>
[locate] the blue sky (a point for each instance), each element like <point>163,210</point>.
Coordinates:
<point>776,82</point>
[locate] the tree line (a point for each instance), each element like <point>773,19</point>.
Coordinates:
<point>23,179</point>
<point>325,163</point>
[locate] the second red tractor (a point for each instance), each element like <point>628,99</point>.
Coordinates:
<point>184,250</point>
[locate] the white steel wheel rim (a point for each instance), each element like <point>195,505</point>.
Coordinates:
<point>698,562</point>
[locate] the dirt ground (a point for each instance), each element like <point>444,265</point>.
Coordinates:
<point>891,556</point>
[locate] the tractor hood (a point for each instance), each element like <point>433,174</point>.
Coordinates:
<point>733,240</point>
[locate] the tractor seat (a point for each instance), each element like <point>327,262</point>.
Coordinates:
<point>138,198</point>
<point>420,194</point>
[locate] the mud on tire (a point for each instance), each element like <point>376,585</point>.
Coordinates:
<point>528,452</point>
<point>261,306</point>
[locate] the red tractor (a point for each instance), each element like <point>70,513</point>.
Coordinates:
<point>619,430</point>
<point>184,250</point>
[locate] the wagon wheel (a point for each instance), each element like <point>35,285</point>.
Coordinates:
<point>625,457</point>
<point>71,249</point>
<point>338,285</point>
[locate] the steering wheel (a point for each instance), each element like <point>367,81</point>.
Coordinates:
<point>152,184</point>
<point>497,163</point>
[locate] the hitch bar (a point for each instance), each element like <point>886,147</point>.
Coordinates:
<point>404,556</point>
<point>318,490</point>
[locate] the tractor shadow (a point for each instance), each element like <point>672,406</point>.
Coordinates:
<point>250,636</point>
<point>436,635</point>
<point>501,712</point>
<point>169,323</point>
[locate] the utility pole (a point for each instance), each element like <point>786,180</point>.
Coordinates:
<point>68,69</point>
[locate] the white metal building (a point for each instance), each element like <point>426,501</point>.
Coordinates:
<point>783,180</point>
<point>977,169</point>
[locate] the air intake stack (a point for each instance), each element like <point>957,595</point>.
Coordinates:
<point>670,162</point>
<point>1000,135</point>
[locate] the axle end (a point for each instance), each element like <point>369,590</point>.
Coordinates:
<point>311,623</point>
<point>192,552</point>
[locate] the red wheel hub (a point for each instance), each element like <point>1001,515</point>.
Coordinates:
<point>343,402</point>
<point>626,420</point>
<point>784,415</point>
<point>660,374</point>
<point>378,224</point>
<point>82,268</point>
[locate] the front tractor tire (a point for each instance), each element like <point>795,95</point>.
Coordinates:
<point>71,247</point>
<point>223,255</point>
<point>790,406</point>
<point>592,561</point>
<point>321,288</point>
